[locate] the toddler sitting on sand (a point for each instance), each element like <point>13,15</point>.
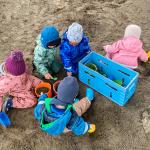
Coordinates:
<point>16,85</point>
<point>128,50</point>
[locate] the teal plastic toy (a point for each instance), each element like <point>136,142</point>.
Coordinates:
<point>54,78</point>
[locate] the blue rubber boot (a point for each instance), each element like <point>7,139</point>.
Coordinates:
<point>89,94</point>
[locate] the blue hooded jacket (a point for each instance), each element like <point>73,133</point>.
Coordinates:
<point>54,121</point>
<point>71,55</point>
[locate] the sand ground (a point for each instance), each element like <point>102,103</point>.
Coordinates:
<point>118,128</point>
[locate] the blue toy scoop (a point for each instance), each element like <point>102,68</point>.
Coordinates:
<point>4,119</point>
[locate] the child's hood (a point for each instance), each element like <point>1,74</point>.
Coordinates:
<point>38,40</point>
<point>131,44</point>
<point>39,43</point>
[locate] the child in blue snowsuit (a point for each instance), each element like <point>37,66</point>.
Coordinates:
<point>74,46</point>
<point>62,114</point>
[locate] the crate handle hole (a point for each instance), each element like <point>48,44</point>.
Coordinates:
<point>111,87</point>
<point>124,73</point>
<point>88,81</point>
<point>110,94</point>
<point>89,74</point>
<point>123,81</point>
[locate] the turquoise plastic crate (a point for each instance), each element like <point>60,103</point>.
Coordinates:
<point>117,93</point>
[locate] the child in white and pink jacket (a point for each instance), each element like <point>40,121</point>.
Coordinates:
<point>128,50</point>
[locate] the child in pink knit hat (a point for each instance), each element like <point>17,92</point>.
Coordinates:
<point>128,50</point>
<point>16,85</point>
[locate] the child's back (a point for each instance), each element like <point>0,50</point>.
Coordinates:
<point>61,114</point>
<point>128,50</point>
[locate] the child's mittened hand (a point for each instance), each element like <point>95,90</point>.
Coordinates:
<point>47,76</point>
<point>92,128</point>
<point>89,94</point>
<point>69,73</point>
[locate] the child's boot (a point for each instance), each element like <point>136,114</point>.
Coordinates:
<point>92,128</point>
<point>89,94</point>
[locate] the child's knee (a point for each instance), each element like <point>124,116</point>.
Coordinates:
<point>82,106</point>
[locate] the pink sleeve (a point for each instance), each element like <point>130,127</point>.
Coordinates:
<point>35,81</point>
<point>115,47</point>
<point>143,56</point>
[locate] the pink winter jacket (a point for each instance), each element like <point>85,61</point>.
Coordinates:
<point>126,51</point>
<point>21,88</point>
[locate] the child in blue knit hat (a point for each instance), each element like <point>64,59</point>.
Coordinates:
<point>62,113</point>
<point>45,52</point>
<point>74,46</point>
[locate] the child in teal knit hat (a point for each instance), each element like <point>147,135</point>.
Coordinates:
<point>45,52</point>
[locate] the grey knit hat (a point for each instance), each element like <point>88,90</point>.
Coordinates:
<point>75,33</point>
<point>67,90</point>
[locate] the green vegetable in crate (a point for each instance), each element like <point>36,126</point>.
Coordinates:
<point>92,66</point>
<point>118,82</point>
<point>102,73</point>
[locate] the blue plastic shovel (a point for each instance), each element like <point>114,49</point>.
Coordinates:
<point>4,119</point>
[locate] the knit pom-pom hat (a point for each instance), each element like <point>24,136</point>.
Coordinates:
<point>15,63</point>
